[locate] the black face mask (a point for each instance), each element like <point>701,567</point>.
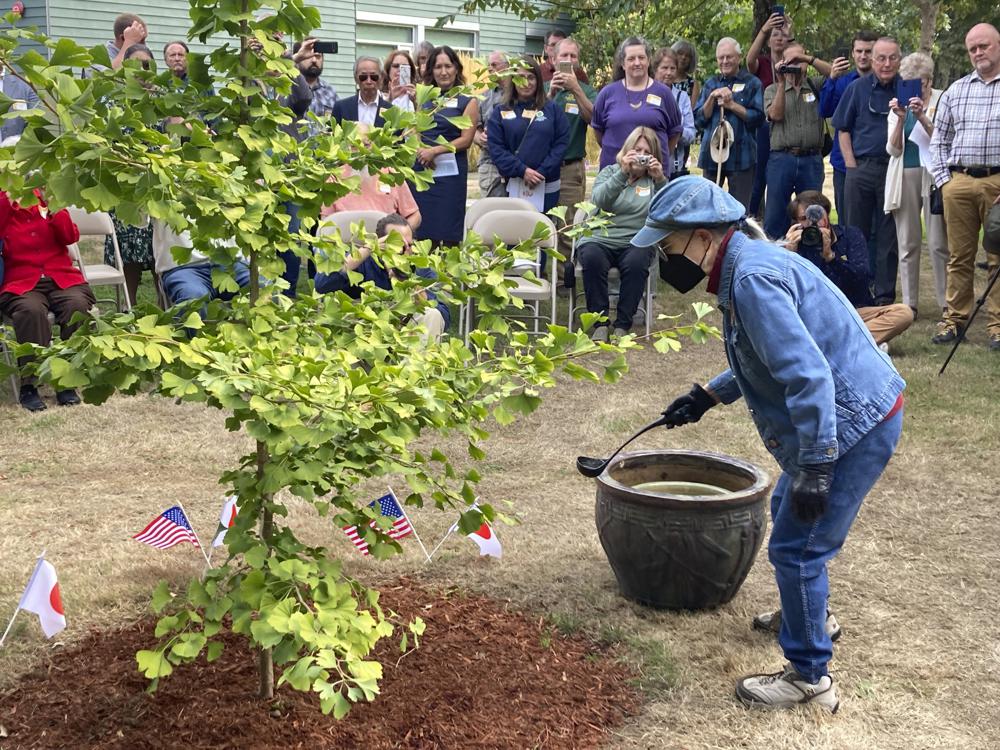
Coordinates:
<point>682,273</point>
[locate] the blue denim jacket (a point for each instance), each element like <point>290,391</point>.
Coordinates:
<point>813,378</point>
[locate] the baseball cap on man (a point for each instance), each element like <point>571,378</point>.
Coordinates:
<point>687,202</point>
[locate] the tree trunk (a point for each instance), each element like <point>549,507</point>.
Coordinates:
<point>928,23</point>
<point>761,12</point>
<point>265,663</point>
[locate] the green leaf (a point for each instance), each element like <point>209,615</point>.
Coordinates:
<point>213,651</point>
<point>153,664</point>
<point>161,597</point>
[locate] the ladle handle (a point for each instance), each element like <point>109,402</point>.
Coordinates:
<point>661,421</point>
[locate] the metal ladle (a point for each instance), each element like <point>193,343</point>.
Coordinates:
<point>592,467</point>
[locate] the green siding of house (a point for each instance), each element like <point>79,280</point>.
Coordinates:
<point>90,23</point>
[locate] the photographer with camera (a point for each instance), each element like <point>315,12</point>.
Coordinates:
<point>797,131</point>
<point>624,189</point>
<point>841,253</point>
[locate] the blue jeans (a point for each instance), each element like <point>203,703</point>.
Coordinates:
<point>760,181</point>
<point>787,174</point>
<point>293,263</point>
<point>800,551</point>
<point>195,281</point>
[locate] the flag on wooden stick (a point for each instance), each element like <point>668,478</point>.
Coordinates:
<point>387,505</point>
<point>41,596</point>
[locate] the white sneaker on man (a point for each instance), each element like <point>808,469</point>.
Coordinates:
<point>786,689</point>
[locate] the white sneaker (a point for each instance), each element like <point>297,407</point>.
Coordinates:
<point>770,622</point>
<point>786,689</point>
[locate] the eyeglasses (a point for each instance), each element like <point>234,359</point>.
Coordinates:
<point>883,59</point>
<point>368,76</point>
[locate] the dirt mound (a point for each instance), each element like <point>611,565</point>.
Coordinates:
<point>485,676</point>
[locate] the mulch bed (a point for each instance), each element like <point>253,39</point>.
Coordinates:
<point>485,676</point>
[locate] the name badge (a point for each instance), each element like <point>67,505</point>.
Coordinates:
<point>508,114</point>
<point>572,108</point>
<point>384,188</point>
<point>654,100</point>
<point>642,190</point>
<point>738,87</point>
<point>529,114</point>
<point>18,105</point>
<point>451,103</point>
<point>809,97</point>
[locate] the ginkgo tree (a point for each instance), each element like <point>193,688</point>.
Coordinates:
<point>334,391</point>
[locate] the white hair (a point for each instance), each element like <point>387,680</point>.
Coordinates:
<point>729,40</point>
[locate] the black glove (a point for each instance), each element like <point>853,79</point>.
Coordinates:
<point>689,408</point>
<point>810,491</point>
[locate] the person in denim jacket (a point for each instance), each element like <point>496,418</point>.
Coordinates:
<point>826,402</point>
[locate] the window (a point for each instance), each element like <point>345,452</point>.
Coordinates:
<point>378,34</point>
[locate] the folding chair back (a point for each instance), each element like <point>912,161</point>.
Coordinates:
<point>484,205</point>
<point>99,224</point>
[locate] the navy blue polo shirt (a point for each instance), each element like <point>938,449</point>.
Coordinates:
<point>863,112</point>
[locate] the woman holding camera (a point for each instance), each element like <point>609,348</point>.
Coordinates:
<point>908,183</point>
<point>634,98</point>
<point>527,136</point>
<point>625,190</point>
<point>402,95</point>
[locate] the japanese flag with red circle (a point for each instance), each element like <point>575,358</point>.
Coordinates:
<point>487,541</point>
<point>226,519</point>
<point>42,597</point>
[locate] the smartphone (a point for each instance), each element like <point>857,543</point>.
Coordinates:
<point>326,48</point>
<point>908,89</point>
<point>778,10</point>
<point>404,75</point>
<point>844,52</point>
<point>565,66</point>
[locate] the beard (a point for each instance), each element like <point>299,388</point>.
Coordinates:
<point>313,71</point>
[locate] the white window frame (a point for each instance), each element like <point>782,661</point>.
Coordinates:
<point>419,24</point>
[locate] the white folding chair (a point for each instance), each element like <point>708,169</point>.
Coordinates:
<point>341,222</point>
<point>510,228</point>
<point>577,303</point>
<point>484,205</point>
<point>99,224</point>
<point>9,359</point>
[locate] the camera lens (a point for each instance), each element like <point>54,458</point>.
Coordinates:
<point>811,237</point>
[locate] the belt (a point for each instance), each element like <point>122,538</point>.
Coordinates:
<point>572,161</point>
<point>976,171</point>
<point>879,159</point>
<point>798,151</point>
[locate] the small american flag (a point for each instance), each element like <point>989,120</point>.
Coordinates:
<point>387,506</point>
<point>167,529</point>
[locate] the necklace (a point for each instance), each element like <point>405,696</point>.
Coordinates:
<point>628,93</point>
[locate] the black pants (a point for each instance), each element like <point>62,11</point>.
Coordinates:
<point>864,190</point>
<point>633,266</point>
<point>29,313</point>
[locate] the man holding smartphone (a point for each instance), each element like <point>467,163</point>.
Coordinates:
<point>576,100</point>
<point>841,76</point>
<point>862,117</point>
<point>324,96</point>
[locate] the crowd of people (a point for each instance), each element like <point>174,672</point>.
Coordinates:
<point>907,159</point>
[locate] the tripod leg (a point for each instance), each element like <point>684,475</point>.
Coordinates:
<point>979,303</point>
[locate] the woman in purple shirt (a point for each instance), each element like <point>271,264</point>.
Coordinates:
<point>634,99</point>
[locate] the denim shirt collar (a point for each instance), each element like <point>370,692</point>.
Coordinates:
<point>736,243</point>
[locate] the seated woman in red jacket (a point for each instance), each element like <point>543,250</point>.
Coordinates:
<point>39,276</point>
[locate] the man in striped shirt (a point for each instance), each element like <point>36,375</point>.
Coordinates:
<point>966,167</point>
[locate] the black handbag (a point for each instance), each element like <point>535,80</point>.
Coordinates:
<point>937,201</point>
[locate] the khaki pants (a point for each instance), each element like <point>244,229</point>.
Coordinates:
<point>967,200</point>
<point>490,183</point>
<point>433,321</point>
<point>908,234</point>
<point>572,190</point>
<point>886,322</point>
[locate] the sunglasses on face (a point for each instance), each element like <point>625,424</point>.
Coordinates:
<point>368,76</point>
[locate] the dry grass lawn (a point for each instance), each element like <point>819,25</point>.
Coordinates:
<point>915,587</point>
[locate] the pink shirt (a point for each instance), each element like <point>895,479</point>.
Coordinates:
<point>376,196</point>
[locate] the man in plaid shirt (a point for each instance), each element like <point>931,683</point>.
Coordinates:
<point>324,95</point>
<point>966,167</point>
